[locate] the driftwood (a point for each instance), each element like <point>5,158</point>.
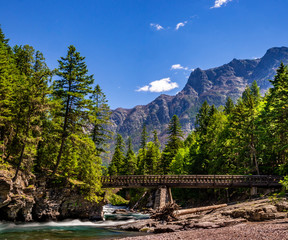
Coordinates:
<point>137,203</point>
<point>200,209</point>
<point>166,213</point>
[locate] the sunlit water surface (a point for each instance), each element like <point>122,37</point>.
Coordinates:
<point>72,229</point>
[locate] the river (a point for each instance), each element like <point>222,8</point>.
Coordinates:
<point>72,229</point>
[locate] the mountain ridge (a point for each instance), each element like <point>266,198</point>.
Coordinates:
<point>213,85</point>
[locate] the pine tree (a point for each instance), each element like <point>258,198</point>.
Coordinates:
<point>100,119</point>
<point>243,130</point>
<point>202,118</point>
<point>32,102</point>
<point>129,166</point>
<point>29,94</point>
<point>9,78</point>
<point>179,162</point>
<point>4,40</point>
<point>116,166</point>
<point>144,136</point>
<point>255,92</point>
<point>275,126</point>
<point>156,140</point>
<point>152,158</point>
<point>229,106</point>
<point>141,162</point>
<point>72,89</point>
<point>173,144</point>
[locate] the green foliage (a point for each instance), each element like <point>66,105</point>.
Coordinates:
<point>178,165</point>
<point>275,117</point>
<point>100,119</point>
<point>117,163</point>
<point>71,90</point>
<point>284,182</point>
<point>46,127</point>
<point>130,164</point>
<point>152,159</point>
<point>229,106</point>
<point>174,143</point>
<point>144,137</point>
<point>117,200</point>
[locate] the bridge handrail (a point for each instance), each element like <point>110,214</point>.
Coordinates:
<point>195,179</point>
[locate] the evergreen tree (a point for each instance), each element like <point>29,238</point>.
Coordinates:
<point>4,40</point>
<point>116,166</point>
<point>72,89</point>
<point>152,158</point>
<point>129,166</point>
<point>274,121</point>
<point>229,106</point>
<point>156,140</point>
<point>100,118</point>
<point>144,136</point>
<point>141,162</point>
<point>202,149</point>
<point>202,118</point>
<point>31,97</point>
<point>173,144</point>
<point>243,131</point>
<point>255,92</point>
<point>179,162</point>
<point>9,78</point>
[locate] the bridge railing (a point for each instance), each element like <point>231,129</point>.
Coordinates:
<point>190,180</point>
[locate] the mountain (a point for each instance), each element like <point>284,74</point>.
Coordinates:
<point>213,85</point>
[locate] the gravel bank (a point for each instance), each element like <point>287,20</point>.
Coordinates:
<point>274,230</point>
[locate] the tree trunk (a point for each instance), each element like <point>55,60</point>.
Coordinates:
<point>200,209</point>
<point>19,163</point>
<point>63,137</point>
<point>24,144</point>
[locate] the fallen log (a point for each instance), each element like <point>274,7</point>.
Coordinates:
<point>136,205</point>
<point>166,213</point>
<point>199,209</point>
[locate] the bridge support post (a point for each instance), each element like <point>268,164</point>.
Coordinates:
<point>253,191</point>
<point>170,198</point>
<point>163,195</point>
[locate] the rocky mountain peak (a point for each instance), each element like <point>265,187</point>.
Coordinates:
<point>213,85</point>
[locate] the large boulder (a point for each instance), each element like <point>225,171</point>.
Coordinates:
<point>29,200</point>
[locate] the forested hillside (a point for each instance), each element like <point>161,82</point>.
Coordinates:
<point>248,137</point>
<point>213,85</point>
<point>52,122</point>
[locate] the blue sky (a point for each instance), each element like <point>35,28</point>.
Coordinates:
<point>135,49</point>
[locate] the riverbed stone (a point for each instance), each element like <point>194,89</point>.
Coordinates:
<point>167,228</point>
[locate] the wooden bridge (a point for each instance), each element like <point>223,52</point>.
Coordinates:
<point>191,181</point>
<point>164,183</point>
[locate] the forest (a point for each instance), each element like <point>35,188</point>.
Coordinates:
<point>56,123</point>
<point>247,137</point>
<point>51,121</point>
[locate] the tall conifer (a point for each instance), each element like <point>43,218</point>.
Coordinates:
<point>72,89</point>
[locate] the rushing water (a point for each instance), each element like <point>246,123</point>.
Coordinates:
<point>72,229</point>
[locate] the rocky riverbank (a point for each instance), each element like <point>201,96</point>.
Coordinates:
<point>30,199</point>
<point>272,230</point>
<point>242,215</point>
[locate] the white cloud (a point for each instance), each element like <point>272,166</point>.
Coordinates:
<point>157,26</point>
<point>219,3</point>
<point>178,67</point>
<point>181,24</point>
<point>162,85</point>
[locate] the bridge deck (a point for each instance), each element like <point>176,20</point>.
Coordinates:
<point>191,181</point>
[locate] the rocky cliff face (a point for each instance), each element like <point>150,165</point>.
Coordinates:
<point>28,199</point>
<point>213,85</point>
